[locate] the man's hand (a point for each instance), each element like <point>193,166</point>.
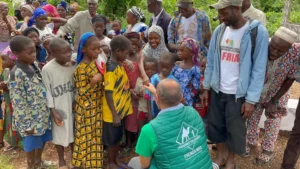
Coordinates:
<point>116,121</point>
<point>204,97</point>
<point>247,110</point>
<point>57,118</point>
<point>151,88</point>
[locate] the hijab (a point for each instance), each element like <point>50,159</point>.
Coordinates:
<point>51,10</point>
<point>64,5</point>
<point>161,48</point>
<point>194,46</point>
<point>7,51</point>
<point>36,13</point>
<point>83,39</point>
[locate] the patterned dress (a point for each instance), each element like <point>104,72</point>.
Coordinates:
<point>277,72</point>
<point>131,121</point>
<point>189,80</point>
<point>11,136</point>
<point>88,148</point>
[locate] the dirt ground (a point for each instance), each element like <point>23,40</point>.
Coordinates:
<point>18,158</point>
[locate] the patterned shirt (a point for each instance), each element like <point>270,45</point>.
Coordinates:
<point>116,82</point>
<point>203,31</point>
<point>297,65</point>
<point>278,71</point>
<point>29,101</point>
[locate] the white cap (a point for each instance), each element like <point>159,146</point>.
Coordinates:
<point>286,35</point>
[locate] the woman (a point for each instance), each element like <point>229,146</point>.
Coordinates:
<point>63,9</point>
<point>7,26</point>
<point>52,12</point>
<point>74,8</point>
<point>26,12</point>
<point>135,18</point>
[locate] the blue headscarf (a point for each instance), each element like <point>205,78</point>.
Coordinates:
<point>64,4</point>
<point>36,13</point>
<point>83,39</point>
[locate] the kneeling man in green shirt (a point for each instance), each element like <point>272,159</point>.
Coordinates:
<point>176,138</point>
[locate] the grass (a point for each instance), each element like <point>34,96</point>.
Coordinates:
<point>4,162</point>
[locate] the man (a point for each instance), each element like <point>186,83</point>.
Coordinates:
<point>80,23</point>
<point>252,13</point>
<point>234,76</point>
<point>176,137</point>
<point>160,16</point>
<point>279,77</point>
<point>192,23</point>
<point>292,151</point>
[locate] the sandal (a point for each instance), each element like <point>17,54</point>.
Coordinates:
<point>264,157</point>
<point>10,148</point>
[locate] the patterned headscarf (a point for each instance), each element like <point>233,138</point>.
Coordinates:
<point>64,5</point>
<point>7,51</point>
<point>136,11</point>
<point>29,7</point>
<point>161,48</point>
<point>193,45</point>
<point>83,39</point>
<point>51,10</point>
<point>37,13</point>
<point>75,5</point>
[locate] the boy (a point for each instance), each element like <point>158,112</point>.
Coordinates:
<point>117,99</point>
<point>60,95</point>
<point>28,94</point>
<point>166,63</point>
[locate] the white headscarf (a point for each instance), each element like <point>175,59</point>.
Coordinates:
<point>161,48</point>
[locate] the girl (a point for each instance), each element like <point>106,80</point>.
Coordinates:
<point>52,12</point>
<point>133,16</point>
<point>88,148</point>
<point>154,48</point>
<point>41,53</point>
<point>74,8</point>
<point>131,121</point>
<point>99,25</point>
<point>12,136</point>
<point>187,71</point>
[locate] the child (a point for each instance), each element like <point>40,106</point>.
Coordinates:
<point>116,26</point>
<point>31,117</point>
<point>187,71</point>
<point>202,109</point>
<point>106,49</point>
<point>46,39</point>
<point>12,136</point>
<point>154,48</point>
<point>60,95</point>
<point>41,53</point>
<point>117,100</point>
<point>150,65</point>
<point>166,63</point>
<point>88,147</point>
<point>131,121</point>
<point>99,25</point>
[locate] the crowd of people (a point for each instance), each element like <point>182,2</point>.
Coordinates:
<point>167,89</point>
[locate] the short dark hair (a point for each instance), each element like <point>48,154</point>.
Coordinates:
<point>117,21</point>
<point>119,42</point>
<point>168,56</point>
<point>57,42</point>
<point>150,60</point>
<point>169,95</point>
<point>28,30</point>
<point>18,43</point>
<point>99,18</point>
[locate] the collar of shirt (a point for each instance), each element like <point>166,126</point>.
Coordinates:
<point>155,18</point>
<point>179,106</point>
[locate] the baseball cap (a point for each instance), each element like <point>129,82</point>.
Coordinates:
<point>225,3</point>
<point>185,3</point>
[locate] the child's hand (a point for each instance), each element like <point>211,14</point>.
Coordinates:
<point>134,94</point>
<point>146,81</point>
<point>116,121</point>
<point>97,78</point>
<point>129,64</point>
<point>30,132</point>
<point>57,118</point>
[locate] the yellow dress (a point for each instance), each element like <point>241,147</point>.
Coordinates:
<point>88,148</point>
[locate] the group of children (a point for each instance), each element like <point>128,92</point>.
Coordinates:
<point>97,102</point>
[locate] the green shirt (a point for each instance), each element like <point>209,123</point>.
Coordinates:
<point>147,142</point>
